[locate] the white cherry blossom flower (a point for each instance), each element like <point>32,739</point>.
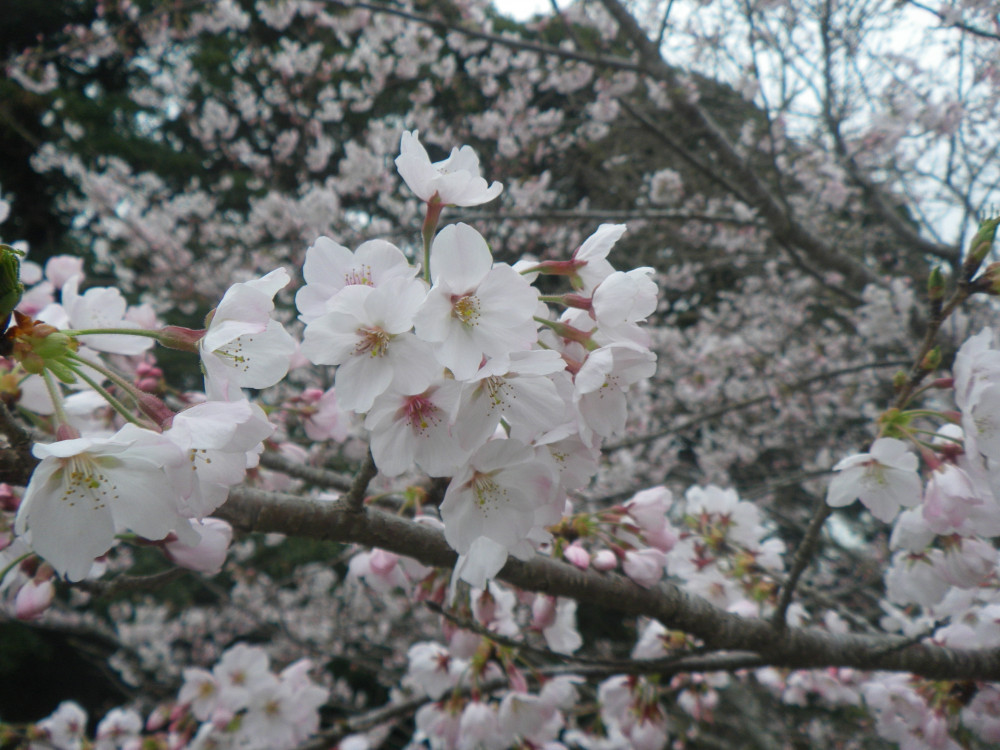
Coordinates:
<point>407,428</point>
<point>432,669</point>
<point>221,439</point>
<point>475,308</point>
<point>66,726</point>
<point>86,490</point>
<point>209,554</point>
<point>600,385</point>
<point>496,496</point>
<point>884,479</point>
<point>368,335</point>
<point>243,346</point>
<point>329,267</point>
<point>592,255</point>
<point>515,390</point>
<point>455,181</point>
<point>621,301</point>
<point>120,728</point>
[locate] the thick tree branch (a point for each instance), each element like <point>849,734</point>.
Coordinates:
<point>255,510</point>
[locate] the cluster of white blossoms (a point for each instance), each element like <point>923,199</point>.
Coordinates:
<point>458,365</point>
<point>241,703</point>
<point>466,371</point>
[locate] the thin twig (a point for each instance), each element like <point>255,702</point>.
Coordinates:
<point>803,556</point>
<point>355,497</point>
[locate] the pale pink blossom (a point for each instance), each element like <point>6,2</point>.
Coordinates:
<point>884,479</point>
<point>379,569</point>
<point>61,268</point>
<point>456,181</point>
<point>501,494</point>
<point>209,554</point>
<point>323,418</point>
<point>65,727</point>
<point>577,555</point>
<point>86,490</point>
<point>600,385</point>
<point>590,259</point>
<point>621,301</point>
<point>432,669</point>
<point>367,335</point>
<point>243,346</point>
<point>604,560</point>
<point>516,390</point>
<point>474,308</point>
<point>221,439</point>
<point>33,598</point>
<point>329,267</point>
<point>416,428</point>
<point>118,728</point>
<point>101,307</point>
<point>645,566</point>
<point>556,618</point>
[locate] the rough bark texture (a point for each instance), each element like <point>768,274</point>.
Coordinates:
<point>257,511</point>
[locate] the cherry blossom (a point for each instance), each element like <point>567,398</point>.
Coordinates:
<point>501,494</point>
<point>86,490</point>
<point>455,181</point>
<point>243,347</point>
<point>884,479</point>
<point>368,335</point>
<point>416,427</point>
<point>475,308</point>
<point>100,307</point>
<point>329,267</point>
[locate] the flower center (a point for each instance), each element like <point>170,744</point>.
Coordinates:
<point>84,481</point>
<point>488,492</point>
<point>372,341</point>
<point>498,391</point>
<point>359,276</point>
<point>466,309</point>
<point>233,351</point>
<point>421,414</point>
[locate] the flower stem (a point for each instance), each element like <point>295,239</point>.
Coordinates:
<point>118,331</point>
<point>56,395</point>
<point>115,403</point>
<point>434,208</point>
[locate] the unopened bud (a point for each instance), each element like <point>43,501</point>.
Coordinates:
<point>899,380</point>
<point>935,285</point>
<point>988,281</point>
<point>931,360</point>
<point>11,287</point>
<point>980,246</point>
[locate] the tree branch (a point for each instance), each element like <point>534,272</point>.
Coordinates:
<point>794,648</point>
<point>784,228</point>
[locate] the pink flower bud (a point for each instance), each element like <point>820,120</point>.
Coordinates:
<point>605,560</point>
<point>543,611</point>
<point>33,599</point>
<point>382,563</point>
<point>577,555</point>
<point>8,500</point>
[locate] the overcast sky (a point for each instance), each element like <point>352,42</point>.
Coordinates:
<point>522,9</point>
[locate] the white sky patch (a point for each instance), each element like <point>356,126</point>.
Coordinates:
<point>522,10</point>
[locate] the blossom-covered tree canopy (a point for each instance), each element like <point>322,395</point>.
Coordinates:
<point>400,374</point>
